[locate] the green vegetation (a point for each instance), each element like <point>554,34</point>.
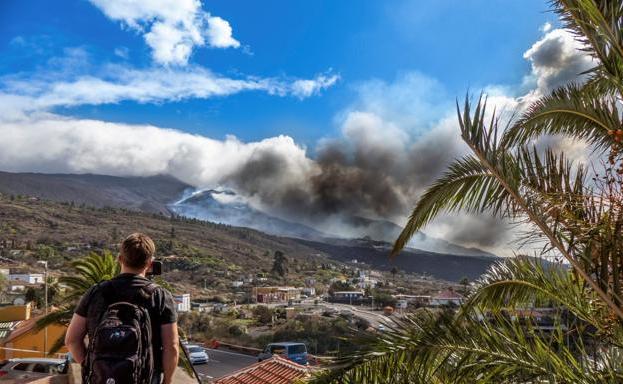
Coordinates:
<point>577,215</point>
<point>90,270</point>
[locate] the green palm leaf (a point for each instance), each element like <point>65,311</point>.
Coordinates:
<point>578,112</point>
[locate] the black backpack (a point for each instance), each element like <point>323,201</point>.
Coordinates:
<point>120,350</point>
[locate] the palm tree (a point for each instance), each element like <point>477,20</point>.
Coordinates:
<point>394,272</point>
<point>577,218</point>
<point>90,270</point>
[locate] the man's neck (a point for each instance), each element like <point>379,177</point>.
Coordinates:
<point>132,271</point>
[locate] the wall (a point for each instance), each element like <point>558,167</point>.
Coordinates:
<point>33,341</point>
<point>15,312</point>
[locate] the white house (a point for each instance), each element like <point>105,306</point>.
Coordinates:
<point>28,278</point>
<point>367,282</point>
<point>237,284</point>
<point>309,291</point>
<point>447,297</point>
<point>183,302</point>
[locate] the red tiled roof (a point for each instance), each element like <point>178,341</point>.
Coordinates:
<point>276,370</point>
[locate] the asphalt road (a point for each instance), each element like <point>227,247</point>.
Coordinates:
<point>375,318</point>
<point>223,363</point>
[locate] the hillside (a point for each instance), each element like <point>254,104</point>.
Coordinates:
<point>168,195</point>
<point>148,194</point>
<point>438,265</point>
<point>207,254</point>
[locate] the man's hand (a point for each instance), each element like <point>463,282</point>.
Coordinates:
<point>74,338</point>
<point>170,350</point>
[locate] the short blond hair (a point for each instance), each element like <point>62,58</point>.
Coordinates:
<point>137,250</point>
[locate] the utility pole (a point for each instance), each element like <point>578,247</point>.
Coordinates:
<point>45,293</point>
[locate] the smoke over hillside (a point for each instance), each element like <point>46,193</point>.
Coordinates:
<point>393,139</point>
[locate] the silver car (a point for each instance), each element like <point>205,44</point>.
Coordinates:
<point>35,368</point>
<point>197,354</point>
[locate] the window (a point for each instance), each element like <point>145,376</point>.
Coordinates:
<point>277,349</point>
<point>195,349</point>
<point>41,368</point>
<point>296,349</point>
<point>21,367</point>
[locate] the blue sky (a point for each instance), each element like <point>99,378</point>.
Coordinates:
<point>462,44</point>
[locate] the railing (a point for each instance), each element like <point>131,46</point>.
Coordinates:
<point>215,344</point>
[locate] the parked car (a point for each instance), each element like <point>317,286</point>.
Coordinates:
<point>296,352</point>
<point>197,354</point>
<point>18,369</point>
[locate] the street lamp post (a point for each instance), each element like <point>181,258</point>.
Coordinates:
<point>45,300</point>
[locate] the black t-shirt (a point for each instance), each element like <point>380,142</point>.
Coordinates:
<point>125,287</point>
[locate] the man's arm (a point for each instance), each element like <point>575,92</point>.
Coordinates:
<point>170,350</point>
<point>74,339</point>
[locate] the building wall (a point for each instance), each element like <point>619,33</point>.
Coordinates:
<point>33,341</point>
<point>30,278</point>
<point>183,302</point>
<point>15,312</point>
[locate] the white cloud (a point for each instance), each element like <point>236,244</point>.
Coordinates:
<point>122,52</point>
<point>50,143</point>
<point>306,88</point>
<point>220,33</point>
<point>120,83</point>
<point>171,28</point>
<point>556,60</point>
<point>546,27</point>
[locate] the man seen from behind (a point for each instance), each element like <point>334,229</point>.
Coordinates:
<point>131,324</point>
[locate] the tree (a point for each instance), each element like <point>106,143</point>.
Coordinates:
<point>465,283</point>
<point>394,272</point>
<point>280,265</point>
<point>263,314</point>
<point>89,270</point>
<point>579,220</point>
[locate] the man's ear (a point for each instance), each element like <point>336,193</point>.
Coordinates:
<point>149,263</point>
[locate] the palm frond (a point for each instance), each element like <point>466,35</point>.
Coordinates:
<point>525,281</point>
<point>465,186</point>
<point>429,348</point>
<point>597,25</point>
<point>572,110</point>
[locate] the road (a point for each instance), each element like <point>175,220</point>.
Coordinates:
<point>223,363</point>
<point>375,318</point>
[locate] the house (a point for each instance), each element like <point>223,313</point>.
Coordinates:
<point>26,277</point>
<point>309,291</point>
<point>276,370</point>
<point>275,294</point>
<point>182,302</point>
<point>447,297</point>
<point>417,300</point>
<point>367,282</point>
<point>347,295</point>
<point>19,336</point>
<point>237,284</point>
<point>201,307</point>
